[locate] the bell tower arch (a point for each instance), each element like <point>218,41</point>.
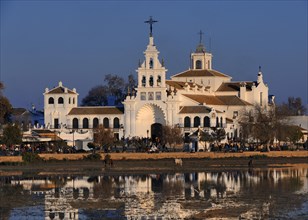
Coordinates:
<point>200,59</point>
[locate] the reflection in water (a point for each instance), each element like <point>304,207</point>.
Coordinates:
<point>258,194</point>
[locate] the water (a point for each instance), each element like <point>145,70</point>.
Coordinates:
<point>264,193</point>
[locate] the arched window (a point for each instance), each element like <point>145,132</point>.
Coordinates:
<point>196,121</point>
<point>106,123</point>
<point>61,215</point>
<point>116,123</point>
<point>95,123</point>
<point>69,100</point>
<point>73,100</point>
<point>221,122</point>
<point>60,100</point>
<point>75,123</point>
<point>85,123</point>
<point>151,63</point>
<point>151,81</point>
<point>217,122</point>
<point>158,80</point>
<point>51,100</point>
<point>187,122</point>
<point>143,81</point>
<point>52,215</point>
<point>198,64</point>
<point>207,122</point>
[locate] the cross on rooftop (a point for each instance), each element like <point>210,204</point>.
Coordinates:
<point>151,22</point>
<point>200,33</point>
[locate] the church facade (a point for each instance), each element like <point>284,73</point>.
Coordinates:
<point>199,97</point>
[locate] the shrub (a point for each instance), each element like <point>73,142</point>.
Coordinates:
<point>30,157</point>
<point>93,157</point>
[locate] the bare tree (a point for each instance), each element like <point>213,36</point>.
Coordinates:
<point>103,137</point>
<point>294,134</point>
<point>293,107</point>
<point>265,125</point>
<point>172,136</point>
<point>131,82</point>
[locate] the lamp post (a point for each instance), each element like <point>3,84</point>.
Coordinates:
<point>73,137</point>
<point>147,136</point>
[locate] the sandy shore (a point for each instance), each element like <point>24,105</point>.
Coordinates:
<point>168,155</point>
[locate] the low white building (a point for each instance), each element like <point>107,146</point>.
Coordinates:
<point>199,97</point>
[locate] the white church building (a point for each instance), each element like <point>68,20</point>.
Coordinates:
<point>199,97</point>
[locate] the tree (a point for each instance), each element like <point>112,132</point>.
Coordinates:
<point>11,135</point>
<point>218,134</point>
<point>171,135</point>
<point>131,82</point>
<point>103,137</point>
<point>294,134</point>
<point>97,96</point>
<point>265,125</point>
<point>205,136</point>
<point>115,86</point>
<point>5,107</point>
<point>294,107</point>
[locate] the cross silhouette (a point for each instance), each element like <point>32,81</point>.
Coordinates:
<point>200,33</point>
<point>151,22</point>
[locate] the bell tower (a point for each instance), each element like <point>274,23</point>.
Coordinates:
<point>200,59</point>
<point>151,72</point>
<point>147,108</point>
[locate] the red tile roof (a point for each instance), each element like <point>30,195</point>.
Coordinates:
<point>60,90</point>
<point>195,109</point>
<point>102,110</point>
<point>200,73</point>
<point>217,100</point>
<point>234,86</point>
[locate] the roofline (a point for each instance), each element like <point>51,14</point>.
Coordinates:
<point>98,107</point>
<point>225,75</point>
<point>60,87</point>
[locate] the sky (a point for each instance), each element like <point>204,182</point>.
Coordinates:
<point>79,42</point>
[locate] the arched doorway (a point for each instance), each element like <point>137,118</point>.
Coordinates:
<point>156,131</point>
<point>148,115</point>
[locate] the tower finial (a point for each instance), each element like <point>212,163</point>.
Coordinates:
<point>259,68</point>
<point>200,47</point>
<point>151,22</point>
<point>200,33</point>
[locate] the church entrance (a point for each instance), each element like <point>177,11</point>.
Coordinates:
<point>156,131</point>
<point>149,121</point>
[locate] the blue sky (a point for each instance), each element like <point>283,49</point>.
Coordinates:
<point>78,42</point>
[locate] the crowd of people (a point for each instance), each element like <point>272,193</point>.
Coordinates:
<point>152,146</point>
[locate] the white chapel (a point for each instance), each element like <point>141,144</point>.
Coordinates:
<point>199,97</point>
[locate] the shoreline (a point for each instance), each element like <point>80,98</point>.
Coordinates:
<point>153,163</point>
<point>166,155</point>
